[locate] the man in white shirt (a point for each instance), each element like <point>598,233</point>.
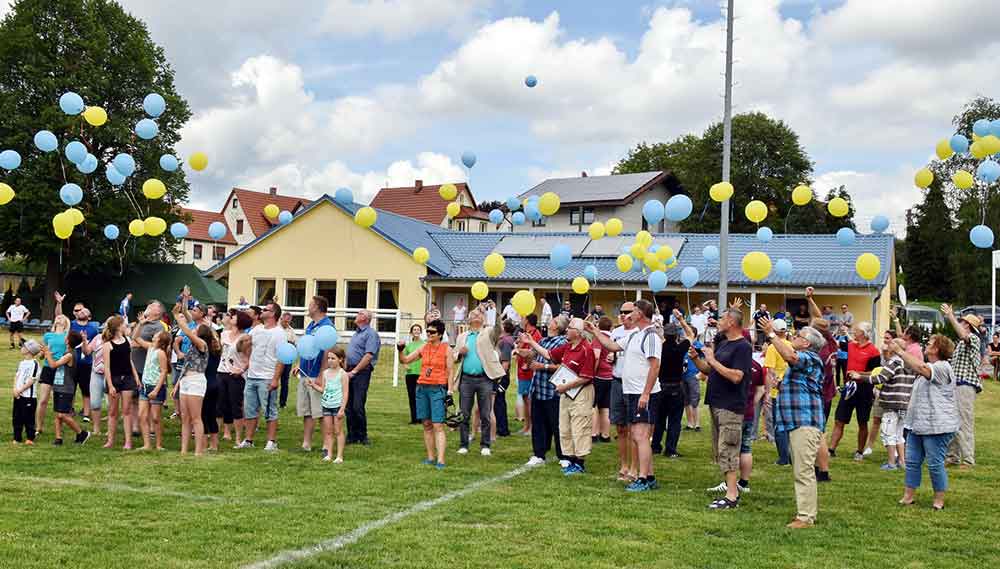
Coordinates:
<point>491,313</point>
<point>626,449</point>
<point>510,314</point>
<point>243,304</point>
<point>17,315</point>
<point>459,311</point>
<point>264,376</point>
<point>543,322</point>
<point>699,320</point>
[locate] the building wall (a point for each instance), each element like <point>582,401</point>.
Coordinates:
<point>206,261</point>
<point>232,215</point>
<point>630,214</point>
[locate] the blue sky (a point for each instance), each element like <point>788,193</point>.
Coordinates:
<point>318,94</point>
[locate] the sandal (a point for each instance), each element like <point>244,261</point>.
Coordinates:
<point>937,508</point>
<point>910,503</point>
<point>724,503</point>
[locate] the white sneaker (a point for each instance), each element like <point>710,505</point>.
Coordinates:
<point>564,463</point>
<point>271,446</point>
<point>535,461</point>
<point>463,450</point>
<point>326,458</point>
<point>338,461</point>
<point>867,451</point>
<point>244,444</point>
<point>306,449</point>
<point>485,451</point>
<point>720,488</point>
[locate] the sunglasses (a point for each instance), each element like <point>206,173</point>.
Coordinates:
<point>625,312</point>
<point>429,332</point>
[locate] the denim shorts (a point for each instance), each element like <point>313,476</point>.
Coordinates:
<point>97,389</point>
<point>160,398</point>
<point>693,391</point>
<point>430,403</point>
<point>256,395</point>
<point>330,411</point>
<point>524,387</point>
<point>746,440</point>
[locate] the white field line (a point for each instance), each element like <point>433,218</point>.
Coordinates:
<point>353,536</point>
<point>151,490</point>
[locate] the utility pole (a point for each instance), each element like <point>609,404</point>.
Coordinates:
<point>727,147</point>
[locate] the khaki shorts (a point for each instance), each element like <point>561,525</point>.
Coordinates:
<point>727,434</point>
<point>309,401</point>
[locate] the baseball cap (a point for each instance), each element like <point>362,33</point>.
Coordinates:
<point>33,347</point>
<point>779,325</point>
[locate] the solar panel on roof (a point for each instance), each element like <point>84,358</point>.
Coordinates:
<point>536,245</point>
<point>614,246</point>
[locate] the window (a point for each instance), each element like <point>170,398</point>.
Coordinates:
<point>295,293</point>
<point>197,251</point>
<point>266,290</point>
<point>239,227</point>
<point>357,297</point>
<point>581,216</point>
<point>328,290</point>
<point>236,203</point>
<point>388,299</point>
<point>657,229</point>
<point>461,225</point>
<point>539,223</point>
<point>482,227</point>
<point>218,253</point>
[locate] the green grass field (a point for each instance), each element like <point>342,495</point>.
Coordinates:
<point>90,507</point>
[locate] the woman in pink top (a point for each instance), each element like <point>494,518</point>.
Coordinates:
<point>911,336</point>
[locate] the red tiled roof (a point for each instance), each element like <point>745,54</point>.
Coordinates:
<point>253,204</point>
<point>467,212</point>
<point>198,226</point>
<point>424,204</point>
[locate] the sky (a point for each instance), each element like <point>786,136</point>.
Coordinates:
<point>314,95</point>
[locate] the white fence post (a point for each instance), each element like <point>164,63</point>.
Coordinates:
<point>395,359</point>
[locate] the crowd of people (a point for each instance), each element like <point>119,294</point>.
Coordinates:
<point>576,377</point>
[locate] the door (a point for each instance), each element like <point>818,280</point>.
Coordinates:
<point>449,302</point>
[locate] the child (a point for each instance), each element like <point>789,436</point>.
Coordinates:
<point>333,384</point>
<point>897,382</point>
<point>154,389</point>
<point>64,387</point>
<point>842,340</point>
<point>24,392</point>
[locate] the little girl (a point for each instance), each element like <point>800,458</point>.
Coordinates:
<point>64,387</point>
<point>332,383</point>
<point>154,390</point>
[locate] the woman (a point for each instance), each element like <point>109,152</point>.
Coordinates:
<point>602,384</point>
<point>210,404</point>
<point>995,355</point>
<point>232,366</point>
<point>931,416</point>
<point>413,370</point>
<point>193,383</point>
<point>120,379</point>
<point>432,387</point>
<point>55,340</point>
<point>286,325</point>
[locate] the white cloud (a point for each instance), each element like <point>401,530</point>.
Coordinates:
<point>889,193</point>
<point>397,19</point>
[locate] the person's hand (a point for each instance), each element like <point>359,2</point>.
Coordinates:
<point>709,354</point>
<point>181,319</point>
<point>947,310</point>
<point>895,348</point>
<point>525,339</point>
<point>340,413</point>
<point>17,394</point>
<point>59,297</point>
<point>350,375</point>
<point>273,385</point>
<point>589,326</point>
<point>562,388</point>
<point>155,392</point>
<point>643,401</point>
<point>677,314</point>
<point>809,291</point>
<point>766,325</point>
<point>463,350</point>
<point>114,392</point>
<point>854,375</point>
<point>737,303</point>
<point>693,353</point>
<point>537,366</point>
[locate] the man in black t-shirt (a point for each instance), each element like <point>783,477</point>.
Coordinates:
<point>672,397</point>
<point>761,313</point>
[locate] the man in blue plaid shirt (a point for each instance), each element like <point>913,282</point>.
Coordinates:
<point>544,399</point>
<point>799,412</point>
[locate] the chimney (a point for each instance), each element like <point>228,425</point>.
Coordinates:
<point>273,191</point>
<point>583,174</point>
<point>418,185</point>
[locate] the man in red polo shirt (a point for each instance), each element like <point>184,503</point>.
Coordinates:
<point>856,396</point>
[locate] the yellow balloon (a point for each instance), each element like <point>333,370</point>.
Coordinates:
<point>548,204</point>
<point>838,207</point>
<point>523,302</point>
<point>137,227</point>
<point>494,264</point>
<point>638,250</point>
<point>155,226</point>
<point>992,144</point>
<point>198,161</point>
<point>581,285</point>
<point>624,263</point>
<point>644,238</point>
<point>802,195</point>
<point>979,150</point>
<point>421,255</point>
<point>651,260</point>
<point>868,266</point>
<point>448,192</point>
<point>365,217</point>
<point>6,194</point>
<point>962,179</point>
<point>923,178</point>
<point>943,149</point>
<point>62,223</point>
<point>95,116</point>
<point>721,191</point>
<point>756,265</point>
<point>664,253</point>
<point>75,215</point>
<point>153,189</point>
<point>613,227</point>
<point>453,209</point>
<point>597,230</point>
<point>976,137</point>
<point>271,211</point>
<point>755,211</point>
<point>480,290</point>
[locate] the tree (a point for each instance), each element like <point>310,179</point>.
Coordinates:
<point>96,49</point>
<point>929,236</point>
<point>488,206</point>
<point>767,163</point>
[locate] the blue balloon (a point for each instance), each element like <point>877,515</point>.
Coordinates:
<point>560,256</point>
<point>981,236</point>
<point>845,236</point>
<point>995,128</point>
<point>531,211</point>
<point>710,253</point>
<point>531,81</point>
<point>518,218</point>
<point>286,353</point>
<point>125,164</point>
<point>959,144</point>
<point>764,234</point>
<point>657,281</point>
<point>783,268</point>
<point>308,349</point>
<point>513,204</point>
<point>88,165</point>
<point>880,223</point>
<point>10,159</point>
<point>71,103</point>
<point>469,159</point>
<point>76,152</point>
<point>344,196</point>
<point>71,194</point>
<point>678,208</point>
<point>653,248</point>
<point>146,129</point>
<point>217,230</point>
<point>154,105</point>
<point>285,217</point>
<point>46,141</point>
<point>168,162</point>
<point>590,271</point>
<point>178,230</point>
<point>653,211</point>
<point>988,171</point>
<point>496,216</point>
<point>533,199</point>
<point>114,176</point>
<point>111,232</point>
<point>981,127</point>
<point>326,337</point>
<point>689,277</point>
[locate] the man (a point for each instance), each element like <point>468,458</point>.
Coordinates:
<point>148,326</point>
<point>459,311</point>
<point>84,360</point>
<point>862,356</point>
<point>712,308</point>
<point>642,350</point>
<point>801,318</point>
<point>727,365</point>
<point>125,306</point>
<point>510,314</point>
<point>800,413</point>
<point>827,313</point>
<point>672,398</point>
<point>543,322</point>
<point>479,369</point>
<point>286,325</point>
<point>490,313</point>
<point>699,320</point>
<point>17,315</point>
<point>597,313</point>
<point>524,371</point>
<point>775,367</point>
<point>758,316</point>
<point>567,309</point>
<point>362,355</point>
<point>965,363</point>
<point>243,304</point>
<point>845,317</point>
<point>264,377</point>
<point>432,314</point>
<point>308,401</point>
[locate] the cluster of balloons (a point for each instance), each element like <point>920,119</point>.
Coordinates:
<point>64,222</point>
<point>308,347</point>
<point>533,208</point>
<point>676,209</point>
<point>611,228</point>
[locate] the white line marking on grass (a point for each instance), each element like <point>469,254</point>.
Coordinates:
<point>152,490</point>
<point>356,534</point>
